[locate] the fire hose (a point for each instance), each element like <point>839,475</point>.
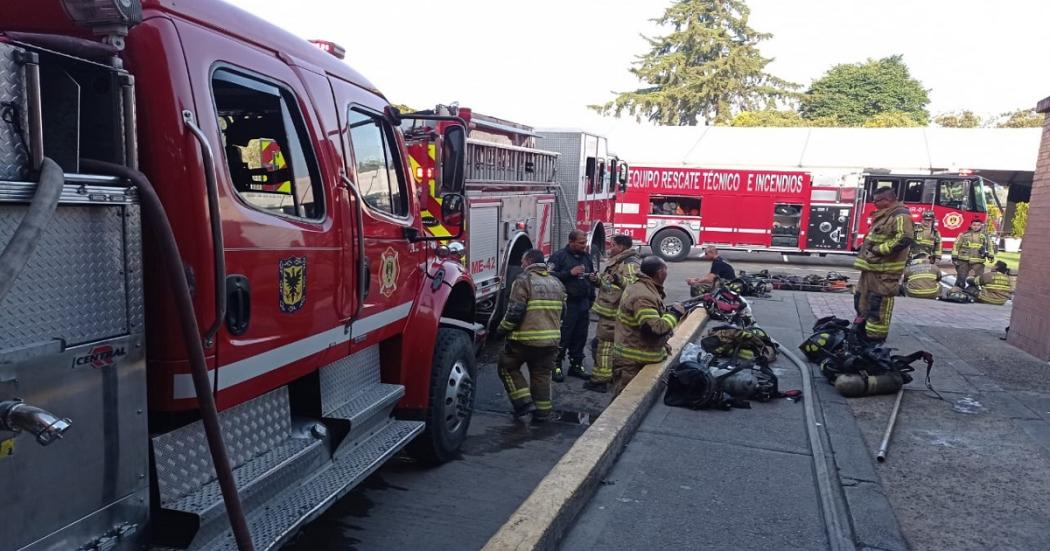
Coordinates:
<point>169,252</point>
<point>20,248</point>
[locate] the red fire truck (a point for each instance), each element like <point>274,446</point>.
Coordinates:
<point>676,209</point>
<point>219,308</point>
<point>518,196</point>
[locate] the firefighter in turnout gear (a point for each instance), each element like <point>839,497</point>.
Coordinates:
<point>621,271</point>
<point>643,323</point>
<point>881,262</point>
<point>533,327</point>
<point>994,287</point>
<point>927,238</point>
<point>922,278</point>
<point>969,253</point>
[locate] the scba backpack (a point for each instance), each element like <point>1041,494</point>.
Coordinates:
<point>955,294</point>
<point>829,337</point>
<point>873,370</point>
<point>691,385</point>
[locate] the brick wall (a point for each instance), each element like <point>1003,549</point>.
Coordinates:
<point>1030,322</point>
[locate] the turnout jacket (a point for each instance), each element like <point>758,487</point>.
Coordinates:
<point>973,246</point>
<point>927,241</point>
<point>993,288</point>
<point>643,324</point>
<point>533,315</point>
<point>922,280</point>
<point>889,239</point>
<point>622,271</point>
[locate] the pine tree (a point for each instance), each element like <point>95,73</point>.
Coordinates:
<point>706,69</point>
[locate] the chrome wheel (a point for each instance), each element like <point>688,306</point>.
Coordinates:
<point>458,395</point>
<point>671,246</point>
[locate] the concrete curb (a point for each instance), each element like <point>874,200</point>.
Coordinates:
<point>540,522</point>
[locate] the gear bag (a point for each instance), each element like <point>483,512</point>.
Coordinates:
<point>829,336</point>
<point>745,380</point>
<point>729,341</point>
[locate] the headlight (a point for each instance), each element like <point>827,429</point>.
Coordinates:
<point>99,14</point>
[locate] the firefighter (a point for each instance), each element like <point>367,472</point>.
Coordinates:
<point>927,238</point>
<point>720,271</point>
<point>643,323</point>
<point>993,287</point>
<point>881,263</point>
<point>532,324</point>
<point>922,278</point>
<point>573,266</point>
<point>971,249</point>
<point>621,271</point>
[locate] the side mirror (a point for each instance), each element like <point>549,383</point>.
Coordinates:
<point>621,176</point>
<point>452,209</point>
<point>453,159</point>
<point>392,114</point>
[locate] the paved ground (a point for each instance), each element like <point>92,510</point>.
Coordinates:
<point>968,473</point>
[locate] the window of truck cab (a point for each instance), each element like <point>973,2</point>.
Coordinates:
<point>268,155</point>
<point>377,172</point>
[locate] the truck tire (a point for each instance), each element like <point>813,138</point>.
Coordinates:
<point>451,399</point>
<point>672,245</point>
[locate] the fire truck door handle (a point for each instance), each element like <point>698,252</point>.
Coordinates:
<point>216,227</point>
<point>238,298</point>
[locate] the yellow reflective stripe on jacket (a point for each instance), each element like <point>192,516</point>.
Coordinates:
<point>648,356</point>
<point>535,335</point>
<point>539,304</point>
<point>922,275</point>
<point>604,311</point>
<point>670,319</point>
<point>641,315</point>
<point>892,240</point>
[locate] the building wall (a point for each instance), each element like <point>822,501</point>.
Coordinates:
<point>1030,321</point>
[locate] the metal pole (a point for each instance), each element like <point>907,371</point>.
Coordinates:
<point>881,456</point>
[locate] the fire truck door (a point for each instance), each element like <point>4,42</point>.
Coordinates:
<point>378,171</point>
<point>281,246</point>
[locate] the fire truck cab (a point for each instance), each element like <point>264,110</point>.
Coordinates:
<point>220,309</point>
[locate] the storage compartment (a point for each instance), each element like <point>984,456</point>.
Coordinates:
<point>828,227</point>
<point>787,219</point>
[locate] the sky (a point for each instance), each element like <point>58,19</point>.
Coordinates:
<point>541,62</point>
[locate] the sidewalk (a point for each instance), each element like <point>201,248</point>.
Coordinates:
<point>971,472</point>
<point>738,479</point>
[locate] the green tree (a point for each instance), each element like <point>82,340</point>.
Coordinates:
<point>768,117</point>
<point>1021,118</point>
<point>1020,220</point>
<point>854,93</point>
<point>706,68</point>
<point>890,119</point>
<point>961,119</point>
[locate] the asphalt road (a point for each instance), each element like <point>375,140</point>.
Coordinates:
<point>460,505</point>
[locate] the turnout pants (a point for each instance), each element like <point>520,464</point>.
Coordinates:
<point>603,362</point>
<point>537,390</point>
<point>623,372</point>
<point>574,323</point>
<point>967,269</point>
<point>873,300</point>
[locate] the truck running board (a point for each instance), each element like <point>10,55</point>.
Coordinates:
<point>288,469</point>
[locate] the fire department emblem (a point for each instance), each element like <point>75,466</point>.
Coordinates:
<point>388,272</point>
<point>292,276</point>
<point>953,220</point>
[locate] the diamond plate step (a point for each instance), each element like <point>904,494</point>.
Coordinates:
<point>275,522</point>
<point>368,408</point>
<point>258,480</point>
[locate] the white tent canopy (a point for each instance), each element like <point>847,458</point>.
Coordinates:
<point>818,149</point>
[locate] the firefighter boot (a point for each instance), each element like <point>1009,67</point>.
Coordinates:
<point>576,370</point>
<point>557,374</point>
<point>523,410</point>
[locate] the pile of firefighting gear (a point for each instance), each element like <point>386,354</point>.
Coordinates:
<point>729,368</point>
<point>723,304</point>
<point>832,282</point>
<point>857,367</point>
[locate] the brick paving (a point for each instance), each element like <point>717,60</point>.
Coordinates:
<point>917,311</point>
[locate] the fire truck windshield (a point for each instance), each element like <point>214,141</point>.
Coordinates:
<point>981,195</point>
